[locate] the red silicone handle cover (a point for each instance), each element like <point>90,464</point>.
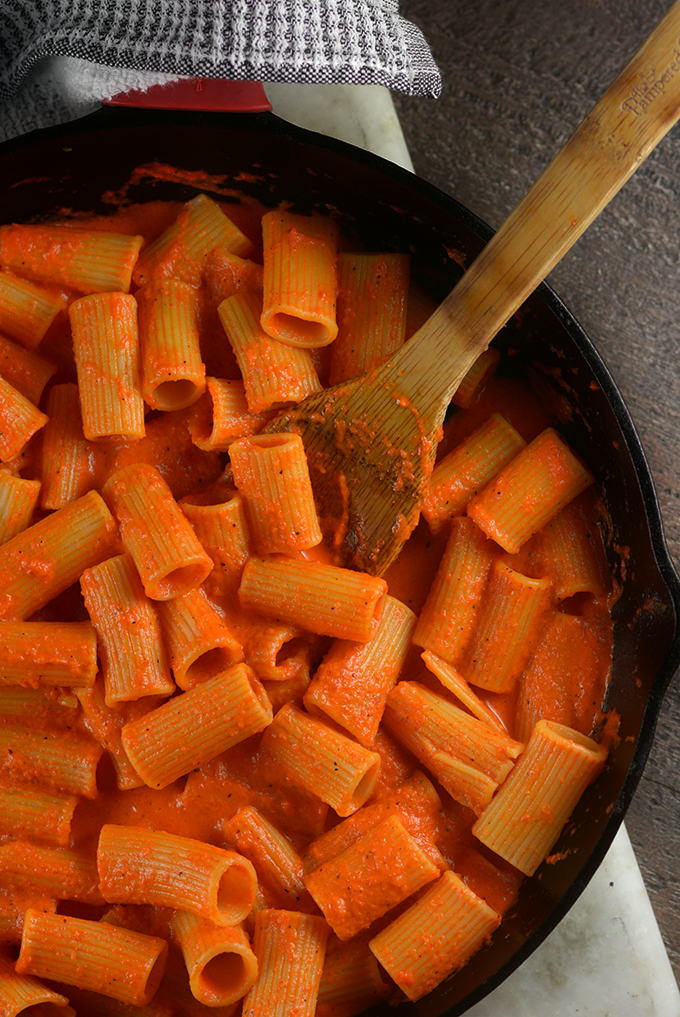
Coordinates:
<point>198,94</point>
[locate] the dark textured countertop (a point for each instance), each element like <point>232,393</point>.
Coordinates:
<point>518,75</point>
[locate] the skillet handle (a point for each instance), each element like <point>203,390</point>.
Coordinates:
<point>198,94</point>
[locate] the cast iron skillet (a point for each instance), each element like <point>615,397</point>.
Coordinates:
<point>389,208</point>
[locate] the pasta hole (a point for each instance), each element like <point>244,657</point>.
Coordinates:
<point>222,977</point>
<point>156,975</point>
<point>236,891</point>
<point>365,786</point>
<point>177,582</point>
<point>297,331</point>
<point>207,665</point>
<point>175,395</point>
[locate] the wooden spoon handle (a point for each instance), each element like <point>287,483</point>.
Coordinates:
<point>632,116</point>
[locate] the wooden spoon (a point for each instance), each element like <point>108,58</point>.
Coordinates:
<point>375,437</point>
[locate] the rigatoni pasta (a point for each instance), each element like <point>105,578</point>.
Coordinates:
<point>192,728</point>
<point>26,370</point>
<point>26,310</point>
<point>301,783</point>
<point>371,311</point>
<point>271,474</point>
<point>173,374</point>
<point>329,764</point>
<point>169,558</point>
<point>379,871</point>
<point>19,421</point>
<point>300,278</point>
<point>133,657</point>
<point>220,962</point>
<point>65,473</point>
<point>434,936</point>
<point>290,949</point>
<point>320,598</point>
<point>523,821</point>
<point>106,349</point>
<point>138,866</point>
<point>48,653</point>
<point>90,261</point>
<point>529,491</point>
<point>20,992</point>
<point>273,374</point>
<point>18,499</point>
<point>182,249</point>
<point>352,682</point>
<point>59,548</point>
<point>126,965</point>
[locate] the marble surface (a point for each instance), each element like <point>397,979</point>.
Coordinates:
<point>607,957</point>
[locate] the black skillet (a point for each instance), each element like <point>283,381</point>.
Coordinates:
<point>73,166</point>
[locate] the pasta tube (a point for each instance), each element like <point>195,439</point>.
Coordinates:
<point>221,415</point>
<point>18,499</point>
<point>19,421</point>
<point>57,872</point>
<point>133,657</point>
<point>353,680</point>
<point>527,815</point>
<point>105,724</point>
<point>571,553</point>
<point>508,629</point>
<point>456,684</point>
<point>59,760</point>
<point>222,530</point>
<point>273,374</point>
<point>290,948</point>
<point>415,801</point>
<point>435,936</point>
<point>106,350</point>
<point>454,601</point>
<point>529,491</point>
<point>371,312</point>
<point>278,865</point>
<point>300,279</point>
<point>173,374</point>
<point>351,980</point>
<point>270,472</point>
<point>329,764</point>
<point>26,310</point>
<point>65,470</point>
<point>138,866</point>
<point>26,371</point>
<point>379,871</point>
<point>169,558</point>
<point>319,598</point>
<point>181,250</point>
<point>116,962</point>
<point>221,964</point>
<point>468,756</point>
<point>194,727</point>
<point>86,260</point>
<point>226,273</point>
<point>49,556</point>
<point>48,653</point>
<point>20,992</point>
<point>468,468</point>
<point>200,644</point>
<point>36,815</point>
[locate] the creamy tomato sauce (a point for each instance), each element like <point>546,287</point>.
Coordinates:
<point>199,804</point>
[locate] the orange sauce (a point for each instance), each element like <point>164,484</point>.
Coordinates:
<point>200,804</point>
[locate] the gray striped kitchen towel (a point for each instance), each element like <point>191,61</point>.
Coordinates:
<point>60,58</point>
